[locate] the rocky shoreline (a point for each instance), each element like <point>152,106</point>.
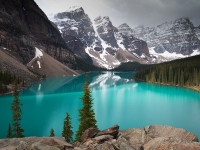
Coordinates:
<point>152,137</point>
<point>20,88</point>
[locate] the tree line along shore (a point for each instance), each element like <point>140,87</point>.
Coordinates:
<point>182,72</point>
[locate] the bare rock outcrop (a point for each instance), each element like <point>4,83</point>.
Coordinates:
<point>155,131</point>
<point>24,26</point>
<point>153,137</point>
<point>135,137</point>
<point>110,131</point>
<point>31,143</point>
<point>171,143</point>
<point>89,133</point>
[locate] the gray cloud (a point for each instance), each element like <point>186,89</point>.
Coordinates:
<point>133,12</point>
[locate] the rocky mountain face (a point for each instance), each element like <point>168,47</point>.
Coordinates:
<point>132,43</point>
<point>99,39</point>
<point>176,38</point>
<point>24,26</point>
<point>48,66</point>
<point>76,29</point>
<point>8,62</point>
<point>152,137</point>
<point>197,31</point>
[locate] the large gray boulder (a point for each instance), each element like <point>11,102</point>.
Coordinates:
<point>135,137</point>
<point>170,143</point>
<point>155,131</point>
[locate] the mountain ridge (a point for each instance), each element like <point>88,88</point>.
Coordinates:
<point>99,38</point>
<point>177,39</point>
<point>24,25</point>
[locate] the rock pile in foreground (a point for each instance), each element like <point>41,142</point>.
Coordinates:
<point>153,137</point>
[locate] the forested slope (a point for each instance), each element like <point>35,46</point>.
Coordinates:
<point>130,66</point>
<point>182,72</point>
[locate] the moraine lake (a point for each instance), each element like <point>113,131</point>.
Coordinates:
<point>118,99</point>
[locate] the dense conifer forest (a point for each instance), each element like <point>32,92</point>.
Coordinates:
<point>86,64</point>
<point>181,72</point>
<point>7,78</point>
<point>130,66</point>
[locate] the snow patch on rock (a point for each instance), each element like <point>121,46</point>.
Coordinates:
<point>38,53</point>
<point>38,62</point>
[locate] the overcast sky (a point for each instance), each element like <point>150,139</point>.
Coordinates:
<point>133,12</point>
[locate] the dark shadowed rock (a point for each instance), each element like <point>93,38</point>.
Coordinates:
<point>103,138</point>
<point>105,146</point>
<point>122,144</point>
<point>89,133</point>
<point>170,143</point>
<point>168,131</point>
<point>76,144</point>
<point>110,131</point>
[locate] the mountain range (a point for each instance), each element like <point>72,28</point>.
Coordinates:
<point>171,40</point>
<point>73,40</point>
<point>109,46</point>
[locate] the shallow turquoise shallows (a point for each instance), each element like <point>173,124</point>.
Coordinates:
<point>118,99</point>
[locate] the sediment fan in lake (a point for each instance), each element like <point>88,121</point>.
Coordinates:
<point>148,138</point>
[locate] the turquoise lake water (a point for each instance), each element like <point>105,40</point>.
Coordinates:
<point>118,99</point>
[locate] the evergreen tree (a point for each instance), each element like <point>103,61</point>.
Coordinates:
<point>86,113</point>
<point>195,78</point>
<point>1,87</point>
<point>182,78</point>
<point>5,90</point>
<point>199,77</point>
<point>15,107</point>
<point>9,135</point>
<point>179,77</point>
<point>52,133</point>
<point>160,77</point>
<point>163,79</point>
<point>147,78</point>
<point>18,80</point>
<point>23,82</point>
<point>175,78</point>
<point>67,129</point>
<point>152,77</point>
<point>170,75</point>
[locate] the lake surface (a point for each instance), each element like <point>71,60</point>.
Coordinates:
<point>118,99</point>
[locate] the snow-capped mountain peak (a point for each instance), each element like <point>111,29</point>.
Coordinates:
<point>125,29</point>
<point>171,40</point>
<point>75,9</point>
<point>99,39</point>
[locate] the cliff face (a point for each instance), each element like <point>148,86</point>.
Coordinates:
<point>132,43</point>
<point>179,36</point>
<point>152,137</point>
<point>76,29</point>
<point>23,26</point>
